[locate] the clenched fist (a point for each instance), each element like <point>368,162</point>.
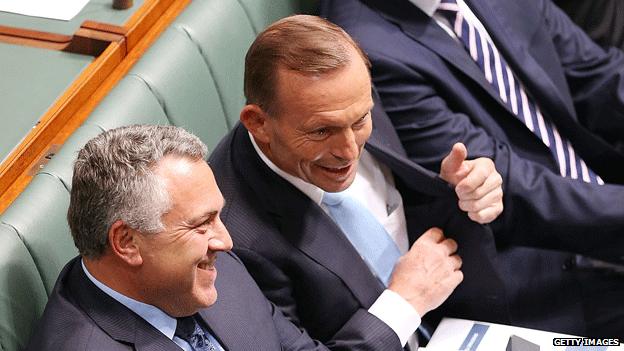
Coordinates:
<point>429,272</point>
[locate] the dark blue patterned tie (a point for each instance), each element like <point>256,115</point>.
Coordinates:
<point>190,331</point>
<point>497,72</point>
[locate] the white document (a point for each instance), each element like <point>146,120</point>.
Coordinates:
<point>60,9</point>
<point>462,334</point>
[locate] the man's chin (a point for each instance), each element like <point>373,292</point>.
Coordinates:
<point>336,185</point>
<point>208,298</point>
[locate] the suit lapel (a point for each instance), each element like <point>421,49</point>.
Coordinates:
<point>304,224</point>
<point>423,29</point>
<point>115,319</point>
<point>385,145</point>
<point>525,63</point>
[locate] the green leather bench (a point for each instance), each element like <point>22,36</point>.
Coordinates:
<point>22,296</point>
<point>191,77</point>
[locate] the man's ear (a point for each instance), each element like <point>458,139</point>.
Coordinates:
<point>123,243</point>
<point>256,121</point>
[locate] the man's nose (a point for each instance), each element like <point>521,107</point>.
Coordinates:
<point>345,146</point>
<point>221,241</point>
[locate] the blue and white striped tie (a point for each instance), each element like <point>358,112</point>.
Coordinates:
<point>478,43</point>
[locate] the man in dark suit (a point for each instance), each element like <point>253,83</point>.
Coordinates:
<point>308,132</point>
<point>144,214</point>
<point>519,83</point>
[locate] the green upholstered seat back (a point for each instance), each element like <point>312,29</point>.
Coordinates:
<point>22,296</point>
<point>223,33</point>
<point>264,12</point>
<point>38,216</point>
<point>130,102</point>
<point>62,164</point>
<point>177,75</point>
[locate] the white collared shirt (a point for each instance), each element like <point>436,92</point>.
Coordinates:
<point>374,187</point>
<point>429,7</point>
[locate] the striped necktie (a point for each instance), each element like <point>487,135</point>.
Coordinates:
<point>497,72</point>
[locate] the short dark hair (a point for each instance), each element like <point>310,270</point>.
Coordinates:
<point>301,43</point>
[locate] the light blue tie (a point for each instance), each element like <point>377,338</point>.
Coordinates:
<point>365,233</point>
<point>368,236</point>
<point>511,91</point>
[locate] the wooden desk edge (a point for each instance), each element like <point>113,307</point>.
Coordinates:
<point>75,105</point>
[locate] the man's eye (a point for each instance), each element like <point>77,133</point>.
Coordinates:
<point>207,222</point>
<point>363,119</point>
<point>321,132</point>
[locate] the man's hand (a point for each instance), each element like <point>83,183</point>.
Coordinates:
<point>428,273</point>
<point>477,183</point>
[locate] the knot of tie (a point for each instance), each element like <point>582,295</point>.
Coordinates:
<point>185,327</point>
<point>448,9</point>
<point>190,331</point>
<point>333,199</point>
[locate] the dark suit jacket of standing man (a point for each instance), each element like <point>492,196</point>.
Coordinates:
<point>436,95</point>
<point>306,266</point>
<point>80,316</point>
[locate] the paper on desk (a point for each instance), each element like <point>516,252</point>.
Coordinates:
<point>462,334</point>
<point>61,10</point>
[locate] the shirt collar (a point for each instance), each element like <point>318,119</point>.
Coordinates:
<point>312,191</point>
<point>426,6</point>
<point>152,314</point>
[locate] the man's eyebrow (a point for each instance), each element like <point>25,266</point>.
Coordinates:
<point>196,221</point>
<point>205,216</point>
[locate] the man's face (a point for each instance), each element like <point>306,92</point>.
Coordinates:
<point>322,124</point>
<point>178,263</point>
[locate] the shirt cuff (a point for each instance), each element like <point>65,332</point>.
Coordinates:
<point>397,313</point>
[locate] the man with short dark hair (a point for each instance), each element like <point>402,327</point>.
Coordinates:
<point>337,227</point>
<point>144,214</point>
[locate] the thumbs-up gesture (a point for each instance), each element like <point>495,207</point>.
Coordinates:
<point>477,183</point>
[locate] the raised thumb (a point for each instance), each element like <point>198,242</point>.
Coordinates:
<point>451,167</point>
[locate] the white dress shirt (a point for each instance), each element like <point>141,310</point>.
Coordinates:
<point>430,6</point>
<point>374,187</point>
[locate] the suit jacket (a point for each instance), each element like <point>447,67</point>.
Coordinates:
<point>436,95</point>
<point>80,316</point>
<point>602,20</point>
<point>304,263</point>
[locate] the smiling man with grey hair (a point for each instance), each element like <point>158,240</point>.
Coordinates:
<point>144,214</point>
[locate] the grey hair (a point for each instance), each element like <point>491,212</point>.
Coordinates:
<point>114,180</point>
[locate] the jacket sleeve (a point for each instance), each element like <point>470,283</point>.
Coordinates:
<point>362,332</point>
<point>595,76</point>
